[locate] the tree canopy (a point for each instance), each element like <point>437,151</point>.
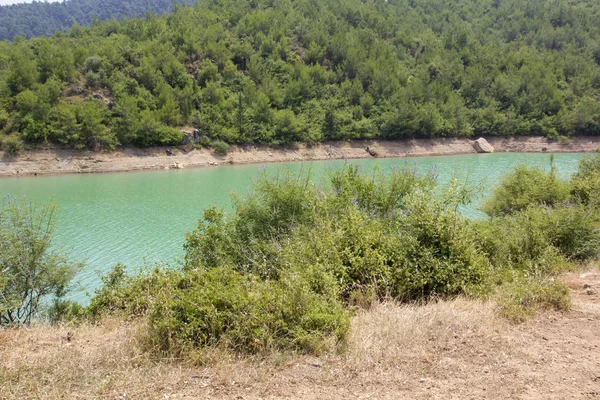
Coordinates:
<point>281,71</point>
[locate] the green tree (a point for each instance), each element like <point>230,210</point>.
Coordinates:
<point>30,270</point>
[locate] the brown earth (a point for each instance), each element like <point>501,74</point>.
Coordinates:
<point>64,161</point>
<point>457,349</point>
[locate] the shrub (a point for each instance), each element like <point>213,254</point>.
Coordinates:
<point>573,229</point>
<point>519,299</point>
<point>13,144</point>
<point>585,183</point>
<point>151,132</point>
<point>30,271</point>
<point>540,238</point>
<point>128,295</point>
<point>223,308</point>
<point>391,234</point>
<point>220,147</point>
<point>523,187</point>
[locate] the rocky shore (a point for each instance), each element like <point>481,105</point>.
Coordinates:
<point>51,161</point>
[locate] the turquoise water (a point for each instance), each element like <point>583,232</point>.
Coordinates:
<point>141,218</point>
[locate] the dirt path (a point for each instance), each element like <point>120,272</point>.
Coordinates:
<point>62,161</point>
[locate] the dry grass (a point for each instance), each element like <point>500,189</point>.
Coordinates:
<point>390,332</point>
<point>447,349</point>
<point>105,360</point>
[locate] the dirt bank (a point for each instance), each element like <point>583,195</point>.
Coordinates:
<point>61,161</point>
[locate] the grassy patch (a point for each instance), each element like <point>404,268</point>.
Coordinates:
<point>521,298</point>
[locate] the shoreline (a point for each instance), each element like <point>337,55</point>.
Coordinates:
<point>71,161</point>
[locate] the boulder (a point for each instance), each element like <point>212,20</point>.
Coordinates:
<point>482,146</point>
<point>191,137</point>
<point>372,152</point>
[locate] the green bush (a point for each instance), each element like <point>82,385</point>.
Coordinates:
<point>540,238</point>
<point>573,229</point>
<point>519,299</point>
<point>12,144</point>
<point>392,234</point>
<point>220,147</point>
<point>523,187</point>
<point>223,308</point>
<point>128,295</point>
<point>585,183</point>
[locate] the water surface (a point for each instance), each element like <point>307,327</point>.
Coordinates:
<point>141,218</point>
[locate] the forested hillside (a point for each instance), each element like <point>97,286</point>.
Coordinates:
<point>281,71</point>
<point>43,19</point>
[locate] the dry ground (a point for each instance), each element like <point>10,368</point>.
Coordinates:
<point>456,349</point>
<point>67,161</point>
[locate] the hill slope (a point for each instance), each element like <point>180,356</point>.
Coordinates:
<point>42,19</point>
<point>280,71</point>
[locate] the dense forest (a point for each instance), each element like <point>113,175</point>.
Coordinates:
<point>43,19</point>
<point>281,71</point>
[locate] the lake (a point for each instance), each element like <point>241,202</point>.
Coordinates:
<point>141,218</point>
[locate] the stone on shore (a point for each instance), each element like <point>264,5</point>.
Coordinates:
<point>482,146</point>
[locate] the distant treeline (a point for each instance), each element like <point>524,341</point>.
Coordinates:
<point>281,71</point>
<point>44,19</point>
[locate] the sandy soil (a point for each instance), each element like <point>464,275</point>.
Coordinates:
<point>62,161</point>
<point>457,349</point>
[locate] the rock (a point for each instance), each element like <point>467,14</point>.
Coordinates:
<point>176,165</point>
<point>169,152</point>
<point>191,137</point>
<point>590,292</point>
<point>482,146</point>
<point>98,96</point>
<point>371,152</point>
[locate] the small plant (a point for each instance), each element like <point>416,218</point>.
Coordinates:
<point>220,148</point>
<point>521,298</point>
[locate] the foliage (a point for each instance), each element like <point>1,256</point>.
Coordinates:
<point>392,233</point>
<point>540,239</point>
<point>220,147</point>
<point>278,72</point>
<point>128,295</point>
<point>30,271</point>
<point>523,187</point>
<point>585,184</point>
<point>12,144</point>
<point>224,308</point>
<point>44,19</point>
<point>526,294</point>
